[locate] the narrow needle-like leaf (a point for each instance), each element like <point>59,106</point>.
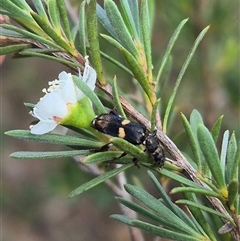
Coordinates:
<point>100,179</point>
<point>193,141</point>
<point>119,26</point>
<point>169,48</point>
<point>82,29</point>
<point>146,35</point>
<point>93,38</point>
<point>209,150</point>
<point>129,18</point>
<point>116,99</point>
<point>180,76</point>
<point>90,94</point>
<point>64,19</point>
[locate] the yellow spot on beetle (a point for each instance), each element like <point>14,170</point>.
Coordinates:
<point>121,133</point>
<point>125,122</point>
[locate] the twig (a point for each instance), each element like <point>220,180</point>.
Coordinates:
<point>175,153</point>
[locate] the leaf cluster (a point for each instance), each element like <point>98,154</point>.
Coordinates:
<point>211,195</point>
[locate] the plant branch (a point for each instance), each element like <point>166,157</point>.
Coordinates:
<point>175,153</point>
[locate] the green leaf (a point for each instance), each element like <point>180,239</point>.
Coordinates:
<point>117,63</point>
<point>103,19</point>
<point>154,114</point>
<point>133,6</point>
<point>90,134</point>
<point>47,154</point>
<point>106,101</point>
<point>41,51</point>
<point>121,218</point>
<point>116,99</point>
<point>54,139</point>
<point>40,9</point>
<point>93,38</point>
<point>224,149</point>
<point>102,157</point>
<point>90,94</point>
<point>64,19</point>
<point>129,149</point>
<point>112,41</point>
<point>177,177</point>
<point>35,53</point>
<point>53,12</point>
<point>202,207</point>
<point>146,213</point>
<point>202,191</point>
<point>198,215</point>
<point>21,16</point>
<point>165,233</point>
<point>21,4</point>
<point>30,106</point>
<point>158,208</point>
<point>209,182</point>
<point>232,164</point>
<point>233,194</point>
<point>146,36</point>
<point>151,13</point>
<point>51,32</point>
<point>13,48</point>
<point>129,19</point>
<point>216,128</point>
<point>17,12</point>
<point>42,39</point>
<point>169,49</point>
<point>180,76</point>
<point>119,26</point>
<point>129,58</point>
<point>138,73</point>
<point>10,33</point>
<point>169,204</point>
<point>195,120</point>
<point>98,180</point>
<point>193,141</point>
<point>82,29</point>
<point>209,150</point>
<point>155,230</point>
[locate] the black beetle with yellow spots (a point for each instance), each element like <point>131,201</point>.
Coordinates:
<point>115,125</point>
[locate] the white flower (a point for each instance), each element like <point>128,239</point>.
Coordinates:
<point>59,99</point>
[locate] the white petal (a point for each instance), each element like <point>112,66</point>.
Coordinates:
<point>63,75</point>
<point>67,87</point>
<point>89,76</point>
<point>49,106</point>
<point>43,127</point>
<point>60,130</point>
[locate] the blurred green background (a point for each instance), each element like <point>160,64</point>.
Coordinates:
<point>34,205</point>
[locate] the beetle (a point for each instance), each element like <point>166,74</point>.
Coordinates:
<point>115,125</point>
<point>155,148</point>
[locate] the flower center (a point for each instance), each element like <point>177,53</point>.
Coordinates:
<point>53,85</point>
